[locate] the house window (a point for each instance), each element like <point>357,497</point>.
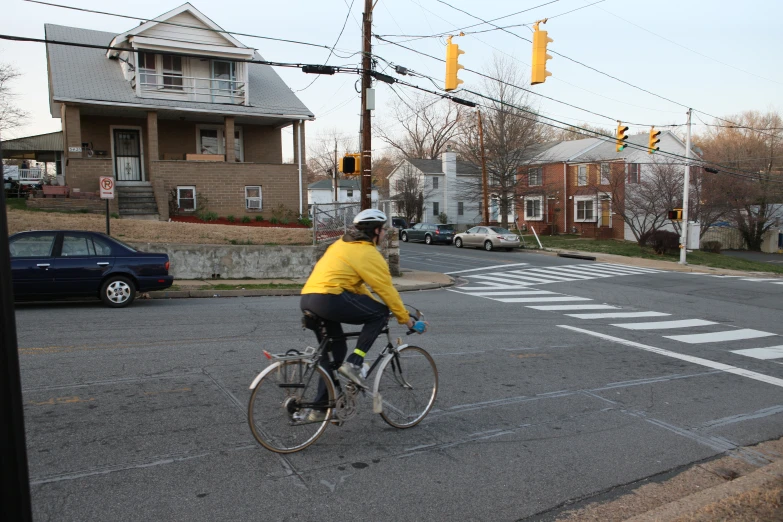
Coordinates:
<point>535,177</point>
<point>460,208</point>
<point>585,210</point>
<point>605,171</point>
<point>633,173</point>
<point>349,193</point>
<point>186,199</point>
<point>147,70</point>
<point>210,139</point>
<point>172,72</point>
<point>533,208</point>
<point>581,178</point>
<point>434,182</point>
<point>253,198</point>
<point>435,208</point>
<point>223,83</point>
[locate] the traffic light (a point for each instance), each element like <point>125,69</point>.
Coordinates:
<point>351,164</point>
<point>652,145</point>
<point>622,136</point>
<point>452,65</point>
<point>540,41</point>
<point>675,215</point>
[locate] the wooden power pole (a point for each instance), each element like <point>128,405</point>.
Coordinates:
<point>485,197</point>
<point>366,163</point>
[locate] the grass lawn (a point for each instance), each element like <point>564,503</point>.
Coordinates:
<point>270,286</point>
<point>630,249</point>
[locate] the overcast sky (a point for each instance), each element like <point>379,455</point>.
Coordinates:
<point>688,51</point>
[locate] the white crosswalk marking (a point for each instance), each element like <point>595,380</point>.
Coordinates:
<point>617,315</point>
<point>770,352</point>
<point>717,337</point>
<point>490,286</point>
<point>512,292</point>
<point>542,299</point>
<point>664,325</point>
<point>504,278</point>
<point>557,308</point>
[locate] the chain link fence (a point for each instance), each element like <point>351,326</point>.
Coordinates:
<point>332,220</point>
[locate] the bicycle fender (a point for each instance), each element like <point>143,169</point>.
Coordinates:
<point>377,382</point>
<point>262,374</point>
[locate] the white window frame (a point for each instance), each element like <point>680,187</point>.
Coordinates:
<point>606,173</point>
<point>540,214</point>
<point>260,198</point>
<point>349,193</point>
<point>434,182</point>
<point>221,139</point>
<point>141,149</point>
<point>580,181</point>
<point>436,208</point>
<point>460,208</point>
<point>638,167</point>
<point>584,219</point>
<point>539,177</point>
<point>195,203</point>
<point>173,73</point>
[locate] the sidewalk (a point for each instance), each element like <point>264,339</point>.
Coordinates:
<point>410,280</point>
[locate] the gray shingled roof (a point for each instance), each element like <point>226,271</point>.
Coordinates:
<point>87,75</point>
<point>325,184</point>
<point>436,166</point>
<point>52,141</point>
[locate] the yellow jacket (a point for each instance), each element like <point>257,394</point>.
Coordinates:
<point>346,266</point>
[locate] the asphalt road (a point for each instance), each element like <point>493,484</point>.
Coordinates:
<point>140,413</point>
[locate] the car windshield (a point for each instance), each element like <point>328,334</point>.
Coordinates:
<point>500,230</point>
<point>446,227</point>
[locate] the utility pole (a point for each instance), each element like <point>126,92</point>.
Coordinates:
<point>366,150</point>
<point>485,198</point>
<point>334,172</point>
<point>685,191</point>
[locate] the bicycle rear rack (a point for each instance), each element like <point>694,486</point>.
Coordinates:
<point>289,356</point>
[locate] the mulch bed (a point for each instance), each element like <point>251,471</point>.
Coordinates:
<point>238,222</point>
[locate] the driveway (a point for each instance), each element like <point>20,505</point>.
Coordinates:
<point>759,257</point>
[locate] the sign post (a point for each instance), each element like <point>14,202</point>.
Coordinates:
<point>106,184</point>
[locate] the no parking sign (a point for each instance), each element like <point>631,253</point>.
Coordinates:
<point>106,184</point>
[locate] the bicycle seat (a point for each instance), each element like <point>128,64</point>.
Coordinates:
<point>310,320</point>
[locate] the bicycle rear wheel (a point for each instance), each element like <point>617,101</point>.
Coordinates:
<point>280,403</point>
<point>408,385</point>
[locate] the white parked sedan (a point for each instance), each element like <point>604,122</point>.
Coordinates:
<point>487,238</point>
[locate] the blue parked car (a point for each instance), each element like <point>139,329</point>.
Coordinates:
<point>53,264</point>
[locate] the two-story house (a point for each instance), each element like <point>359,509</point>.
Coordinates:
<point>180,113</point>
<point>348,191</point>
<point>576,186</point>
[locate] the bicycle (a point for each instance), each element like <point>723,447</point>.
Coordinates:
<point>403,391</point>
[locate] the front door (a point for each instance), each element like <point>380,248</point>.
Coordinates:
<point>127,155</point>
<point>606,214</point>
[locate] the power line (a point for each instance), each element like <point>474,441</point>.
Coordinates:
<point>331,51</point>
<point>145,20</point>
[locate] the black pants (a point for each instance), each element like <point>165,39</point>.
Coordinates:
<point>350,309</point>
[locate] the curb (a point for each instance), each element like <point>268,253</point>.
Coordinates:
<point>697,501</point>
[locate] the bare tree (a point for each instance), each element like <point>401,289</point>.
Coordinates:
<point>11,116</point>
<point>321,152</point>
<point>754,147</point>
<point>420,126</point>
<point>409,188</point>
<point>578,132</point>
<point>510,136</point>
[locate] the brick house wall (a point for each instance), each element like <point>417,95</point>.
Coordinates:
<point>83,174</point>
<point>223,185</point>
<point>551,193</point>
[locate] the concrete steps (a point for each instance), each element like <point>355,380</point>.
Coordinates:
<point>137,202</point>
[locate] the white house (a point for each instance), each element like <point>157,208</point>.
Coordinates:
<point>348,191</point>
<point>442,182</point>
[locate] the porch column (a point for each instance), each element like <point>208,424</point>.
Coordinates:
<point>72,126</point>
<point>152,152</point>
<point>229,134</point>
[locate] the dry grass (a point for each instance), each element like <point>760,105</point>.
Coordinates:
<point>764,504</point>
<point>140,231</point>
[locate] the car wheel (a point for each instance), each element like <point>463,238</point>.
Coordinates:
<point>458,243</point>
<point>404,237</point>
<point>487,245</point>
<point>118,291</point>
<point>428,239</point>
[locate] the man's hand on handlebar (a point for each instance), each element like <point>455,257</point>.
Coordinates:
<point>416,326</point>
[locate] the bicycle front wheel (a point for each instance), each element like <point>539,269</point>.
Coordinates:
<point>280,404</point>
<point>408,385</point>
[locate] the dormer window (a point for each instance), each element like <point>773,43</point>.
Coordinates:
<point>160,71</point>
<point>147,70</point>
<point>172,71</point>
<point>224,81</point>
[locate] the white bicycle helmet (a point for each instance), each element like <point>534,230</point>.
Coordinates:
<point>371,216</point>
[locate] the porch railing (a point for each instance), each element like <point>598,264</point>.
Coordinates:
<point>214,90</point>
<point>30,175</point>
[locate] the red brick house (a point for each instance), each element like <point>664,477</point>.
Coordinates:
<point>576,186</point>
<point>177,112</point>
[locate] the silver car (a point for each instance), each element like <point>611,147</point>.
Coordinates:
<point>487,238</point>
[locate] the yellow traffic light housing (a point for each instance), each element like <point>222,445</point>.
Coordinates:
<point>452,65</point>
<point>351,164</point>
<point>622,136</point>
<point>540,41</point>
<point>675,215</point>
<point>652,145</point>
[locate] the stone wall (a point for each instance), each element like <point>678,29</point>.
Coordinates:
<point>235,262</point>
<point>83,174</point>
<point>94,206</point>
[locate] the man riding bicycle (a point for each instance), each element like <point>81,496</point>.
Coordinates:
<point>336,292</point>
